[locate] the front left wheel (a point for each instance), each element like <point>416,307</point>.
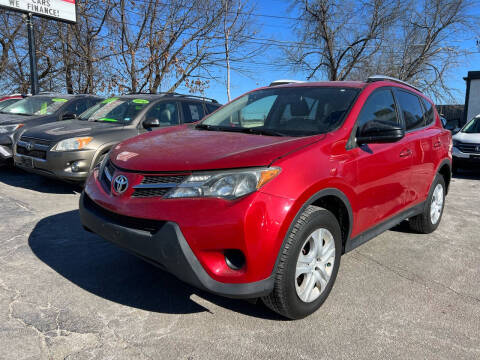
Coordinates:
<point>308,264</point>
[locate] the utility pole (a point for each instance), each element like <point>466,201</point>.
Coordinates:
<point>33,54</point>
<point>226,33</point>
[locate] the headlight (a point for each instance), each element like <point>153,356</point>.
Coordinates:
<point>455,142</point>
<point>8,129</point>
<point>72,144</point>
<point>226,184</point>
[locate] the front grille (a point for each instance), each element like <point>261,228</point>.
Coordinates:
<point>36,141</point>
<point>468,148</point>
<point>39,154</point>
<point>157,185</point>
<point>104,179</point>
<point>38,147</point>
<point>151,226</point>
<point>176,179</point>
<point>144,193</point>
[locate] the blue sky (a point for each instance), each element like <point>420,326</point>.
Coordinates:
<point>264,69</point>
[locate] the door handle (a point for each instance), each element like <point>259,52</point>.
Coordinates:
<point>437,144</point>
<point>405,153</point>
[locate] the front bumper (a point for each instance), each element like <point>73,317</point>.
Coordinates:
<point>58,164</point>
<point>6,151</point>
<point>465,159</point>
<point>163,244</point>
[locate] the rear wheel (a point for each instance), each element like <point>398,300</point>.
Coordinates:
<point>308,265</point>
<point>429,220</point>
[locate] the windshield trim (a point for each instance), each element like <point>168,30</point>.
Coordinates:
<point>462,130</point>
<point>358,91</point>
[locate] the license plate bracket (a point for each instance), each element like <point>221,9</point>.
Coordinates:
<point>25,162</point>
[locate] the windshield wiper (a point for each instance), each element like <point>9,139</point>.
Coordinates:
<point>262,131</point>
<point>207,127</point>
<point>245,130</point>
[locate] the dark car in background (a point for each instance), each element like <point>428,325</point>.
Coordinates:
<point>10,99</point>
<point>70,149</point>
<point>38,110</point>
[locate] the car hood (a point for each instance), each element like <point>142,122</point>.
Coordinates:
<point>67,129</point>
<point>467,138</point>
<point>12,119</point>
<point>183,148</point>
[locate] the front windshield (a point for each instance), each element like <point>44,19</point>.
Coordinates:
<point>115,110</point>
<point>291,111</point>
<point>36,105</point>
<point>5,103</point>
<point>473,127</point>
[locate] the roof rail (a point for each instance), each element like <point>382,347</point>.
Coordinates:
<point>284,82</point>
<point>177,94</point>
<point>389,78</point>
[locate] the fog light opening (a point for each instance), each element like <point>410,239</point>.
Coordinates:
<point>75,166</point>
<point>234,259</point>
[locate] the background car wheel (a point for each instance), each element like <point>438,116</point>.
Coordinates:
<point>308,265</point>
<point>429,220</point>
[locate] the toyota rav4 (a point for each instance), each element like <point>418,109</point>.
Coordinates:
<point>262,197</point>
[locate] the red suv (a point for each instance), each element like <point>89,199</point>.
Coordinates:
<point>262,197</point>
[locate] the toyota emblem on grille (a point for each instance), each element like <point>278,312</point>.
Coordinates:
<point>120,184</point>
<point>29,146</point>
<point>477,148</point>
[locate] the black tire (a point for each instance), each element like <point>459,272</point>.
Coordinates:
<point>423,223</point>
<point>284,299</point>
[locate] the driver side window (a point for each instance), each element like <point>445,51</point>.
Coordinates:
<point>380,106</point>
<point>166,113</point>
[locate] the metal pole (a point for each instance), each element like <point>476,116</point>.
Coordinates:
<point>33,55</point>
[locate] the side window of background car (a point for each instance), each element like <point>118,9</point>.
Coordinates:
<point>211,107</point>
<point>192,111</point>
<point>83,104</point>
<point>411,109</point>
<point>429,113</point>
<point>166,112</point>
<point>380,106</point>
<point>71,107</point>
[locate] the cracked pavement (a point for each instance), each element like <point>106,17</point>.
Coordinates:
<point>67,294</point>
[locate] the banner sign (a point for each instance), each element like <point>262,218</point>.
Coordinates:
<point>63,10</point>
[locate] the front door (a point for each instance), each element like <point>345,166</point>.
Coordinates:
<point>383,170</point>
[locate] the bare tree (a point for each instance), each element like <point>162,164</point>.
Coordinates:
<point>423,48</point>
<point>335,36</point>
<point>82,47</point>
<point>237,31</point>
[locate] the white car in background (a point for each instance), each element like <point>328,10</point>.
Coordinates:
<point>466,146</point>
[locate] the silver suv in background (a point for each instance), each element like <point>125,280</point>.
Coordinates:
<point>466,145</point>
<point>70,149</point>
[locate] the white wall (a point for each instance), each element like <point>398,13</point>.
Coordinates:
<point>474,99</point>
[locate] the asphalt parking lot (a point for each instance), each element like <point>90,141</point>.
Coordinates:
<point>67,294</point>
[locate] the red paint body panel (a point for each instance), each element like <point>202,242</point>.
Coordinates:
<point>378,182</point>
<point>183,148</point>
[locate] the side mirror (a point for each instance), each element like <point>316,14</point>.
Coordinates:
<point>68,116</point>
<point>379,132</point>
<point>151,123</point>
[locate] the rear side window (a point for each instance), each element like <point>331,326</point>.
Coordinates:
<point>411,109</point>
<point>165,112</point>
<point>192,111</point>
<point>211,107</point>
<point>380,106</point>
<point>429,113</point>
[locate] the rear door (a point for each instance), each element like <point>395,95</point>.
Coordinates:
<point>420,140</point>
<point>383,170</point>
<point>192,111</point>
